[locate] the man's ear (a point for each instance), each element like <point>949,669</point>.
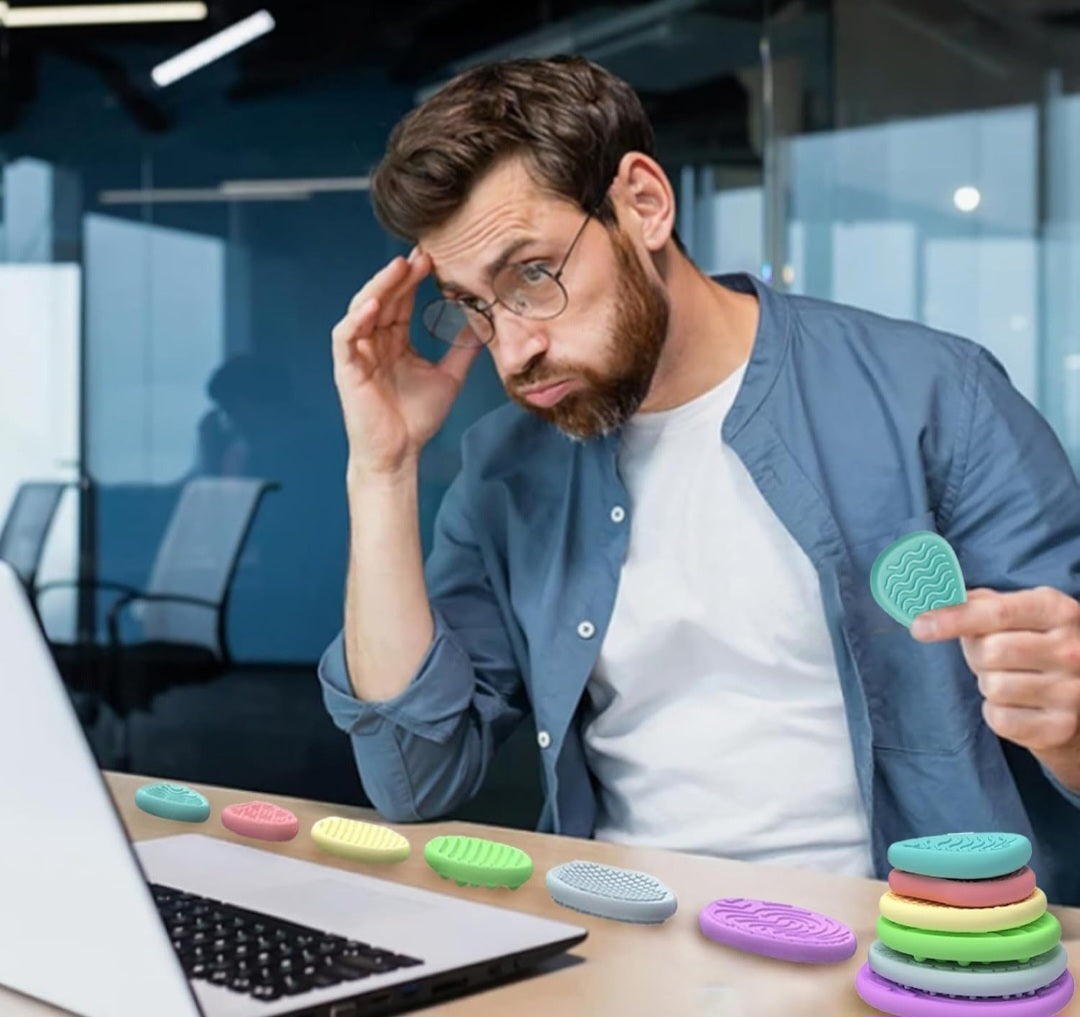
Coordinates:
<point>644,196</point>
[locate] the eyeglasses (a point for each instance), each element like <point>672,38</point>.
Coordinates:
<point>528,290</point>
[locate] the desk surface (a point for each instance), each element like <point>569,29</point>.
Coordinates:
<point>628,971</point>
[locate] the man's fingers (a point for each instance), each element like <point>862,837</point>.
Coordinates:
<point>457,360</point>
<point>398,307</point>
<point>1037,610</point>
<point>1013,651</point>
<point>1026,689</point>
<point>360,321</point>
<point>1037,730</point>
<point>383,285</point>
<point>360,317</point>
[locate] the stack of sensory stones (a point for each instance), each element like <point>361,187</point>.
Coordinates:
<point>965,931</point>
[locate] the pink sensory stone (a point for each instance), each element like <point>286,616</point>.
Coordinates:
<point>965,893</point>
<point>261,820</point>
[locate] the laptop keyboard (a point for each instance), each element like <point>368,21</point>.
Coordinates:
<point>262,956</point>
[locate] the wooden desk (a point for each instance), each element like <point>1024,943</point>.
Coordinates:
<point>627,971</point>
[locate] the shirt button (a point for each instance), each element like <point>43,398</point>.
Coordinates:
<point>543,739</point>
<point>586,629</point>
<point>618,514</point>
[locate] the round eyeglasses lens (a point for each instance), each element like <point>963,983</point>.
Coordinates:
<point>449,322</point>
<point>529,291</point>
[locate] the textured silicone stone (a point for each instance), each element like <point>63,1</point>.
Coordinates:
<point>917,573</point>
<point>1003,978</point>
<point>962,855</point>
<point>260,820</point>
<point>359,841</point>
<point>173,801</point>
<point>895,999</point>
<point>476,861</point>
<point>607,891</point>
<point>774,929</point>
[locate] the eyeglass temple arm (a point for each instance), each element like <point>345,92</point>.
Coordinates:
<point>573,244</point>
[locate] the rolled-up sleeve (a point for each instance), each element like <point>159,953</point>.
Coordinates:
<point>1069,795</point>
<point>1015,517</point>
<point>431,704</point>
<point>426,751</point>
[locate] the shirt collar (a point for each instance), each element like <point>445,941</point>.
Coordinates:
<point>771,343</point>
<point>770,347</point>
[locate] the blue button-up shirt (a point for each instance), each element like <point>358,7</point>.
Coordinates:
<point>856,429</point>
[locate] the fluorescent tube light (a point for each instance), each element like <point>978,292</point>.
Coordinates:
<point>308,185</point>
<point>189,195</point>
<point>279,189</point>
<point>212,48</point>
<point>98,14</point>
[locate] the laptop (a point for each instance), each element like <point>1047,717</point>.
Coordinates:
<point>193,926</point>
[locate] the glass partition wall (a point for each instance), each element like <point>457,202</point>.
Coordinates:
<point>171,263</point>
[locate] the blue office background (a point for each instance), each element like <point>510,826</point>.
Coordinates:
<point>287,271</point>
<point>853,201</point>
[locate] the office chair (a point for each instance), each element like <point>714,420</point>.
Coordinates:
<point>182,611</point>
<point>26,528</point>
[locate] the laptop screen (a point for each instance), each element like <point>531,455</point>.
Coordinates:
<point>78,926</point>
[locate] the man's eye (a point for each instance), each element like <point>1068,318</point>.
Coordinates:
<point>533,272</point>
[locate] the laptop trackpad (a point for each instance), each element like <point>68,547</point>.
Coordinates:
<point>336,905</point>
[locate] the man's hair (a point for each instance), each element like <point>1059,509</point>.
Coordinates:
<point>570,120</point>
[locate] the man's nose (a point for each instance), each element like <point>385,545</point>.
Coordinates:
<point>517,342</point>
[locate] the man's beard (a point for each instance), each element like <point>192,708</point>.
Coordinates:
<point>608,398</point>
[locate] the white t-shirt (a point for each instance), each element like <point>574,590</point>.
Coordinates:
<point>715,722</point>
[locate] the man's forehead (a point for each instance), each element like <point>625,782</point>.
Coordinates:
<point>473,229</point>
<point>505,197</point>
<point>507,179</point>
<point>468,250</point>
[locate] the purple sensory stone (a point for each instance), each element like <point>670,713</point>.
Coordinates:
<point>777,930</point>
<point>895,999</point>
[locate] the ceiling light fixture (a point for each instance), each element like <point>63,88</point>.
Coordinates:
<point>213,48</point>
<point>284,189</point>
<point>64,15</point>
<point>189,195</point>
<point>967,198</point>
<point>308,185</point>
